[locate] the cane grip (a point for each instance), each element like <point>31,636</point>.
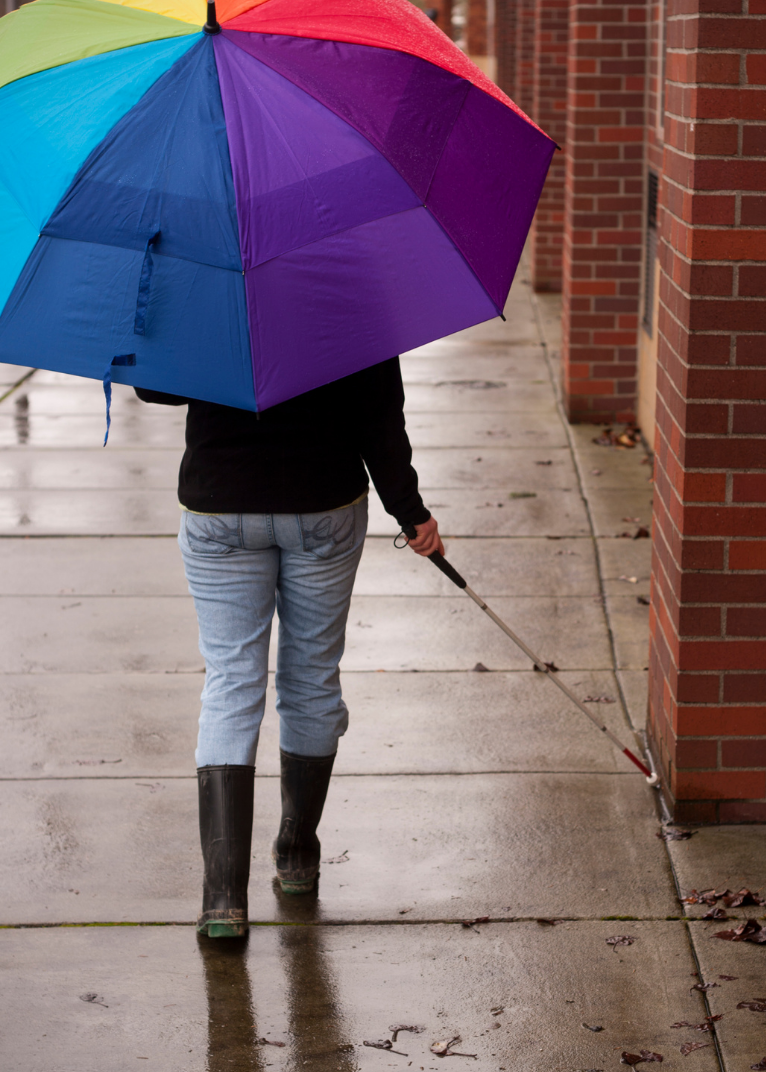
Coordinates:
<point>438,560</point>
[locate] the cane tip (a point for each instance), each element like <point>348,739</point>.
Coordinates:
<point>653,780</point>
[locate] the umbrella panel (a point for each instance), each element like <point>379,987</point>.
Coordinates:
<point>162,173</point>
<point>486,187</point>
<point>402,105</point>
<point>355,298</point>
<point>475,163</point>
<point>300,172</point>
<point>49,123</point>
<point>50,33</point>
<point>162,170</point>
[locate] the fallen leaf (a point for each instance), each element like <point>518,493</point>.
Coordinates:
<point>269,1042</point>
<point>729,978</point>
<point>756,1005</point>
<point>643,600</point>
<point>523,495</point>
<point>630,1058</point>
<point>715,913</point>
<point>708,897</point>
<point>342,859</point>
<point>742,897</point>
<point>383,1044</point>
<point>416,1029</point>
<point>441,1048</point>
<point>690,1047</point>
<point>93,999</point>
<point>473,922</point>
<point>706,1025</point>
<point>548,666</point>
<point>621,939</point>
<point>648,1055</point>
<point>703,986</point>
<point>605,439</point>
<point>544,463</point>
<point>599,699</point>
<point>642,533</point>
<point>676,835</point>
<point>544,922</point>
<point>760,1066</point>
<point>749,931</point>
<point>404,911</point>
<point>597,1027</point>
<point>630,580</point>
<point>497,1010</point>
<point>626,440</point>
<point>480,668</point>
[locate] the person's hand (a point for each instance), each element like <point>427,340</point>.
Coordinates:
<point>428,538</point>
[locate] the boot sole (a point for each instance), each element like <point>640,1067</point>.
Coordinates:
<point>290,887</point>
<point>217,928</point>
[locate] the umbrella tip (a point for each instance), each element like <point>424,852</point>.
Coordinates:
<point>211,26</point>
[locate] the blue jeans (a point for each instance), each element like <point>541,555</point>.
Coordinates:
<point>239,568</point>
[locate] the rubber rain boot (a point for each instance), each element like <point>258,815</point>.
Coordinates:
<point>225,827</point>
<point>305,780</point>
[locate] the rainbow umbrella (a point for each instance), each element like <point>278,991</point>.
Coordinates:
<point>245,211</point>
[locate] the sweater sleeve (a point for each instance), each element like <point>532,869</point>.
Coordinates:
<point>160,397</point>
<point>383,442</point>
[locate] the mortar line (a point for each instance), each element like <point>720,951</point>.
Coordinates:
<point>336,774</point>
<point>430,922</point>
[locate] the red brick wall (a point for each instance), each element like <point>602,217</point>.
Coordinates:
<point>444,16</point>
<point>476,28</point>
<point>505,45</point>
<point>708,616</point>
<point>604,205</point>
<point>549,101</point>
<point>525,55</point>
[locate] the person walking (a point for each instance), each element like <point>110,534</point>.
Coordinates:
<point>274,516</point>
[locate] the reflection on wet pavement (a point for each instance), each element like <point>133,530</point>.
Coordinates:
<point>315,1013</point>
<point>21,418</point>
<point>314,1030</point>
<point>231,1028</point>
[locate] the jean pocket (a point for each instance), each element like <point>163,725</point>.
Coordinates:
<point>329,535</point>
<point>212,534</point>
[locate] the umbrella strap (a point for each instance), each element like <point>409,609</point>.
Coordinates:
<point>121,359</point>
<point>144,285</point>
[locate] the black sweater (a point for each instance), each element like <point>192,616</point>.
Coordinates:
<point>303,456</point>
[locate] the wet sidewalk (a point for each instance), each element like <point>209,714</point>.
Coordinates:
<point>466,788</point>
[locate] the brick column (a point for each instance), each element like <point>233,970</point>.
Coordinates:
<point>505,45</point>
<point>476,28</point>
<point>549,102</point>
<point>604,204</point>
<point>707,720</point>
<point>444,16</point>
<point>523,93</point>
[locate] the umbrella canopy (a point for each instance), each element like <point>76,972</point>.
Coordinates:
<point>244,212</point>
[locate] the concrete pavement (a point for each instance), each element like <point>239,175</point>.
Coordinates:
<point>460,794</point>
